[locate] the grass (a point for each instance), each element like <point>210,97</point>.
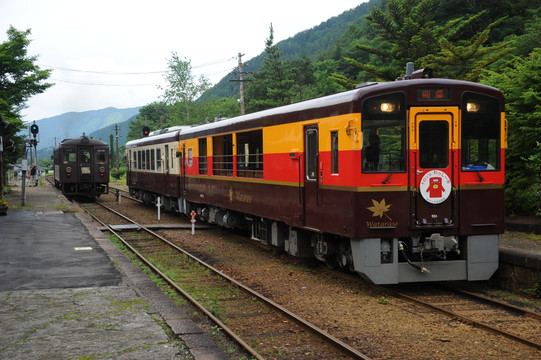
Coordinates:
<point>183,271</point>
<point>206,289</point>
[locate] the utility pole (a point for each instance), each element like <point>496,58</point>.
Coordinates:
<point>241,81</point>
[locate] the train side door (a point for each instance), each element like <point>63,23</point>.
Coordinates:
<point>434,170</point>
<point>85,164</point>
<point>183,164</point>
<point>311,182</point>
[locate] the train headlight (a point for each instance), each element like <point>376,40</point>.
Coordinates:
<point>68,169</point>
<point>387,107</point>
<point>472,107</point>
<point>102,169</point>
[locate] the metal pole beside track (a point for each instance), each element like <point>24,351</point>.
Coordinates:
<point>158,205</point>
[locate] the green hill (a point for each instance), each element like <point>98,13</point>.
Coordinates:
<point>313,43</point>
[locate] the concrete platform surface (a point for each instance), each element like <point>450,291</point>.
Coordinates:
<point>67,292</point>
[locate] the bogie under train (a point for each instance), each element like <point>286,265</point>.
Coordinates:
<point>81,167</point>
<point>400,182</point>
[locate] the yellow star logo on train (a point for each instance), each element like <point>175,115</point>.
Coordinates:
<point>380,208</point>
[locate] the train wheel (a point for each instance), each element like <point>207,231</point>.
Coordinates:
<point>332,262</point>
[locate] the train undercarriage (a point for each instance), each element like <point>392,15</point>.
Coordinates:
<point>430,256</point>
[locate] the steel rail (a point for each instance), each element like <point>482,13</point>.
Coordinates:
<point>217,321</point>
<point>452,314</point>
<point>466,319</point>
<point>511,307</point>
<point>119,191</point>
<point>312,328</point>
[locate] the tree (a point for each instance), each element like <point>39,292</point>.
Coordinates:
<point>520,82</point>
<point>464,59</point>
<point>156,115</point>
<point>406,31</point>
<point>302,71</point>
<point>530,40</point>
<point>271,86</point>
<point>323,83</point>
<point>20,79</point>
<point>182,87</point>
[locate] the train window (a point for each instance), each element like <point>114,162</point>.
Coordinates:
<point>311,154</point>
<point>69,155</point>
<point>166,150</point>
<point>152,159</point>
<point>139,160</point>
<point>101,156</point>
<point>222,159</point>
<point>433,144</point>
<point>203,156</point>
<point>250,154</point>
<point>143,160</point>
<point>334,152</point>
<point>384,134</point>
<point>480,141</point>
<point>85,156</point>
<point>190,157</point>
<point>148,160</point>
<point>159,159</point>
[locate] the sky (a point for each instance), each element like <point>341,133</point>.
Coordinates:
<point>113,53</point>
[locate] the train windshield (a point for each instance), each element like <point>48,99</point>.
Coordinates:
<point>433,144</point>
<point>69,156</point>
<point>480,133</point>
<point>384,134</point>
<point>101,156</point>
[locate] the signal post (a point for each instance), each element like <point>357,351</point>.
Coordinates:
<point>34,129</point>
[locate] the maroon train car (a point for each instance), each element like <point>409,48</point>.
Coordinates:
<point>399,181</point>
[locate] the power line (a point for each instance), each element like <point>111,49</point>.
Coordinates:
<point>102,83</point>
<point>102,72</point>
<point>215,62</point>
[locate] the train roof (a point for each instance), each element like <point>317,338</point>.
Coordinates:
<point>159,136</point>
<point>341,103</point>
<point>83,140</point>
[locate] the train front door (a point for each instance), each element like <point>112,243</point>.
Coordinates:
<point>311,180</point>
<point>85,164</point>
<point>434,166</point>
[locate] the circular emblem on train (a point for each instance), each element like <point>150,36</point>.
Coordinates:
<point>435,186</point>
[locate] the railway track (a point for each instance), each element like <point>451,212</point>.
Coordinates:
<point>507,320</point>
<point>426,312</point>
<point>479,311</point>
<point>259,325</point>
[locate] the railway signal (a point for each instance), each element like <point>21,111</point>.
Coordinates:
<point>34,129</point>
<point>146,131</point>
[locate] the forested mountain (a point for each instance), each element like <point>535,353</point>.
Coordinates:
<point>313,43</point>
<point>74,124</point>
<point>335,39</point>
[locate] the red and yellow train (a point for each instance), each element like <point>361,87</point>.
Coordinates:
<point>399,181</point>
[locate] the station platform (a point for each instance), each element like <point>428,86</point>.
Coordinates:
<point>67,292</point>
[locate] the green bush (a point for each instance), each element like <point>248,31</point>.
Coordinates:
<point>117,174</point>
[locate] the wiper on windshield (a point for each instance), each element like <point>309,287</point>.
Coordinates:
<point>387,178</point>
<point>481,179</point>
